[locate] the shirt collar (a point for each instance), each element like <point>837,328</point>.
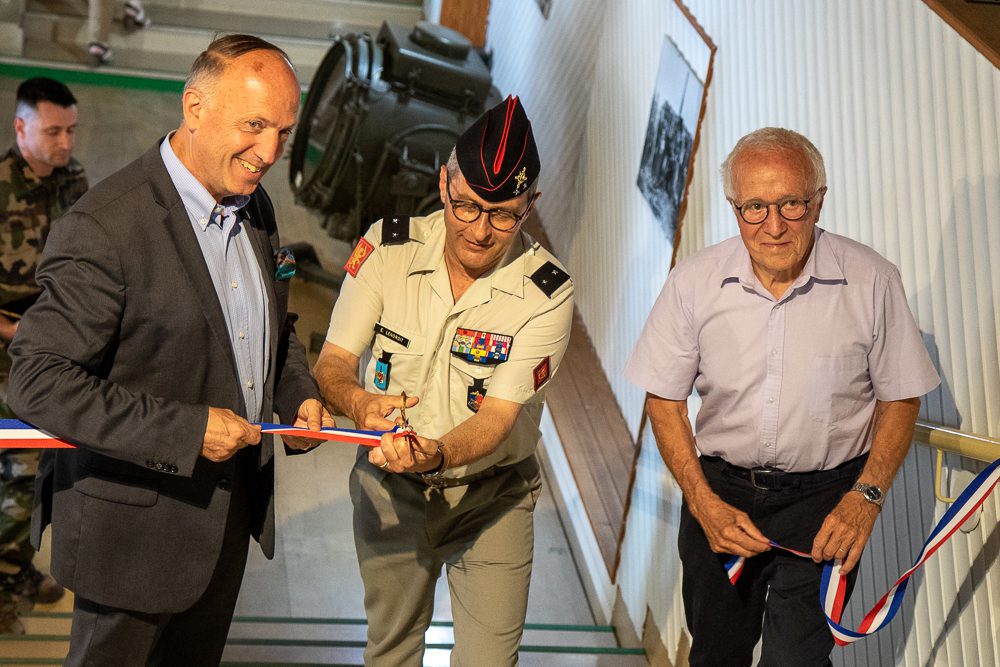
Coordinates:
<point>821,264</point>
<point>201,206</point>
<point>507,276</point>
<point>428,255</point>
<point>29,178</point>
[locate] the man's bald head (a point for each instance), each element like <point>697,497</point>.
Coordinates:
<point>212,62</point>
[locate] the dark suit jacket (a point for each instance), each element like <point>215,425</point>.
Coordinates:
<point>122,354</point>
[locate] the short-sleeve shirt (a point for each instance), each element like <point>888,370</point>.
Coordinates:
<point>793,382</point>
<point>505,337</point>
<point>28,206</point>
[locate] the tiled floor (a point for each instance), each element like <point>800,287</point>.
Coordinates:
<point>314,572</point>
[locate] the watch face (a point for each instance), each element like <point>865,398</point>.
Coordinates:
<point>873,494</point>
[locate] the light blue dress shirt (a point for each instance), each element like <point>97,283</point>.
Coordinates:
<point>236,275</point>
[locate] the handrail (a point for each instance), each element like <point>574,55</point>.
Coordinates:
<point>971,445</point>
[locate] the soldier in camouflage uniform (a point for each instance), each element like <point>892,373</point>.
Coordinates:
<point>39,181</point>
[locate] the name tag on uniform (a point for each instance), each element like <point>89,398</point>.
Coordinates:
<point>392,335</point>
<point>481,347</point>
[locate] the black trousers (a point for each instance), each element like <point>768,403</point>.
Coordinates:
<point>104,636</point>
<point>777,595</point>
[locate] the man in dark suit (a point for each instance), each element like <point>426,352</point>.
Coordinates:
<point>161,333</point>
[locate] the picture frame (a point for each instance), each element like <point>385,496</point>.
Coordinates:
<point>673,133</point>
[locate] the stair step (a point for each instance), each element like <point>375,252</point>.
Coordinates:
<point>337,12</point>
<point>163,49</point>
<point>56,30</point>
<point>331,641</point>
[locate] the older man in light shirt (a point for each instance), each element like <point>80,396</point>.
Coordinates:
<point>810,368</point>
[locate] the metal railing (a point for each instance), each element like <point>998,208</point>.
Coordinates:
<point>944,439</point>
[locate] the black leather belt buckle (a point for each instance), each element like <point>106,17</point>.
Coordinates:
<point>766,479</point>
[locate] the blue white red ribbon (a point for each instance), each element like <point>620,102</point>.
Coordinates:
<point>833,585</point>
<point>16,433</point>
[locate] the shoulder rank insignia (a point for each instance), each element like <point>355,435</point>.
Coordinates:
<point>395,230</point>
<point>382,368</point>
<point>549,278</point>
<point>362,251</point>
<point>477,392</point>
<point>481,347</point>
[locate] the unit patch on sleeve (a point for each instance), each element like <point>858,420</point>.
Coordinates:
<point>395,230</point>
<point>392,335</point>
<point>549,278</point>
<point>481,347</point>
<point>362,251</point>
<point>540,374</point>
<point>477,392</point>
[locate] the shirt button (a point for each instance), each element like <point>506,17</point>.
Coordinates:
<point>770,399</point>
<point>774,352</point>
<point>249,384</point>
<point>242,335</point>
<point>233,284</point>
<point>223,483</point>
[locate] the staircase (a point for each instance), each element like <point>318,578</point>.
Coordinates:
<point>55,31</point>
<point>311,642</point>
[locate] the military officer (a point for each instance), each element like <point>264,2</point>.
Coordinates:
<point>467,319</point>
<point>39,181</point>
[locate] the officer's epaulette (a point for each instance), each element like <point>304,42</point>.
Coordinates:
<point>549,278</point>
<point>395,230</point>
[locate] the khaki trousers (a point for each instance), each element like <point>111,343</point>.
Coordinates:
<point>482,533</point>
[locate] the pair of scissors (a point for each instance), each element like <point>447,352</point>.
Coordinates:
<point>402,412</point>
<point>405,431</point>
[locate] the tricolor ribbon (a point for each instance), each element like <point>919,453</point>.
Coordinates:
<point>833,585</point>
<point>16,433</point>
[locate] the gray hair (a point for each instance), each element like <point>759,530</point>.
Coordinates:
<point>210,63</point>
<point>774,139</point>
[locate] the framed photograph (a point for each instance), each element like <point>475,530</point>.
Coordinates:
<point>674,114</point>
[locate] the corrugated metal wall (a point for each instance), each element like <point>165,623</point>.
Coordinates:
<point>906,113</point>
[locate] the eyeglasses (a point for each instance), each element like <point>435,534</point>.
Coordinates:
<point>469,211</point>
<point>756,211</point>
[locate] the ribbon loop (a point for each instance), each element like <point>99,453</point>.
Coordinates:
<point>833,585</point>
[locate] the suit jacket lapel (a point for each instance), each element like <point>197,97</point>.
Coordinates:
<point>189,253</point>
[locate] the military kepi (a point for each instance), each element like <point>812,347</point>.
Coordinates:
<point>497,154</point>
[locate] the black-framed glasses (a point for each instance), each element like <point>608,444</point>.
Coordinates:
<point>500,219</point>
<point>755,211</point>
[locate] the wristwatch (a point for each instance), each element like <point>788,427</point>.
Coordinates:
<point>870,492</point>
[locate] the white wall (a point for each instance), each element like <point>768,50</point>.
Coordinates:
<point>906,114</point>
<point>432,10</point>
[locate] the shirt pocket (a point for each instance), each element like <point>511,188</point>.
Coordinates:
<point>405,352</point>
<point>470,381</point>
<point>838,387</point>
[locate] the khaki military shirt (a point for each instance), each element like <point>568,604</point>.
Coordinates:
<point>504,338</point>
<point>28,205</point>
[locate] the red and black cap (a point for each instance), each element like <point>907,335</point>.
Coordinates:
<point>497,154</point>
